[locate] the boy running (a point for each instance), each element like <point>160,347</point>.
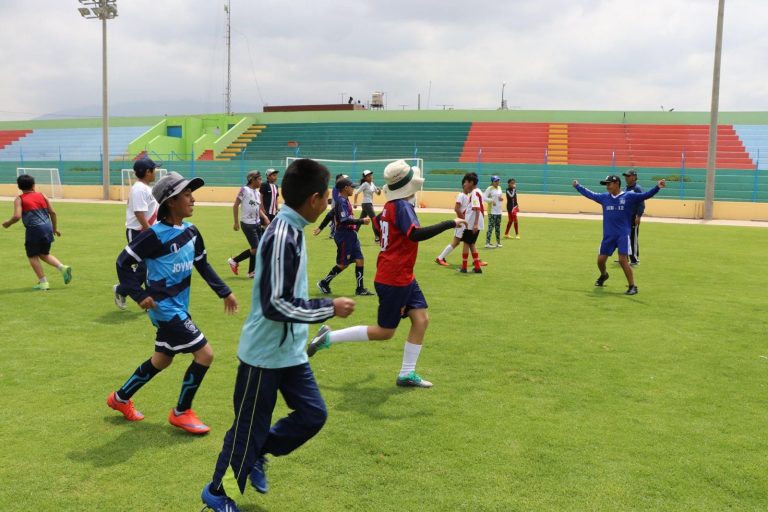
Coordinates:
<point>39,218</point>
<point>271,350</point>
<point>397,288</point>
<point>251,217</point>
<point>616,203</point>
<point>347,242</point>
<point>170,249</point>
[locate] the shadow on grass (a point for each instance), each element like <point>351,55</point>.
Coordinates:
<point>118,316</point>
<point>26,289</point>
<point>135,437</point>
<point>357,397</point>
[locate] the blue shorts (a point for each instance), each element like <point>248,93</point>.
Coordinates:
<point>396,301</point>
<point>347,247</point>
<point>611,243</point>
<point>177,336</point>
<point>38,240</point>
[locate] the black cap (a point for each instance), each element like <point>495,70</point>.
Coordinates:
<point>144,165</point>
<point>630,172</point>
<point>611,178</point>
<point>342,183</point>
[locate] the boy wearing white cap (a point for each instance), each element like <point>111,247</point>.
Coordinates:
<point>397,288</point>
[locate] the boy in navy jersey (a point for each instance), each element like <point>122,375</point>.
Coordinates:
<point>347,243</point>
<point>399,293</point>
<point>170,249</point>
<point>616,204</point>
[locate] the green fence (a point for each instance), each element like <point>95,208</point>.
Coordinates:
<point>730,185</point>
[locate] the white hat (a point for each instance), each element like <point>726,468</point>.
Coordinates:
<point>367,172</point>
<point>402,180</point>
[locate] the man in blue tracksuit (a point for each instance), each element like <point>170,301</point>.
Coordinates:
<point>616,205</point>
<point>272,349</point>
<point>633,217</point>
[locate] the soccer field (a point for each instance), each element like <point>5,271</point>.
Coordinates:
<point>550,394</point>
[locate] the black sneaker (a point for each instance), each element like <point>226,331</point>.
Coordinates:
<point>477,270</point>
<point>363,291</point>
<point>463,270</point>
<point>324,287</point>
<point>631,290</point>
<point>602,279</point>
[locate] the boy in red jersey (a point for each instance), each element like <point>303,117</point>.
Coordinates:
<point>399,293</point>
<point>39,218</point>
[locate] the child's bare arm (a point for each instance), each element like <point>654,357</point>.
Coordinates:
<point>16,214</point>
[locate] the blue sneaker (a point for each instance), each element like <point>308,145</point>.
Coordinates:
<point>413,380</point>
<point>320,341</point>
<point>259,475</point>
<point>218,503</point>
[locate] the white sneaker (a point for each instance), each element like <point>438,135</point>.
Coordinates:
<point>233,265</point>
<point>119,299</point>
<point>489,246</point>
<point>499,245</point>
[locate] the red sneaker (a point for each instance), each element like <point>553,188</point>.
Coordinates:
<point>188,421</point>
<point>483,263</point>
<point>233,265</point>
<point>127,409</point>
<point>442,262</point>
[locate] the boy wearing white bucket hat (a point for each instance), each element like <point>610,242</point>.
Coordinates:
<point>397,288</point>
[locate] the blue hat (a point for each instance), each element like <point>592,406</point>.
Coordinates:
<point>495,178</point>
<point>144,164</point>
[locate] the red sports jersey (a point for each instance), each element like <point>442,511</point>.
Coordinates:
<point>398,253</point>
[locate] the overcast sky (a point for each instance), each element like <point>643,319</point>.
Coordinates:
<point>169,56</point>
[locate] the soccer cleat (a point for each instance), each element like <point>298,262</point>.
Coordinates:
<point>188,421</point>
<point>363,292</point>
<point>463,270</point>
<point>259,475</point>
<point>631,290</point>
<point>218,503</point>
<point>634,263</point>
<point>126,408</point>
<point>477,270</point>
<point>413,380</point>
<point>44,286</point>
<point>233,266</point>
<point>119,299</point>
<point>321,341</point>
<point>507,236</point>
<point>442,262</point>
<point>602,279</point>
<point>517,237</point>
<point>66,273</point>
<point>324,287</point>
<point>483,263</point>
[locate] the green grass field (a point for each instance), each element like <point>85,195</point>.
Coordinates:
<point>549,394</point>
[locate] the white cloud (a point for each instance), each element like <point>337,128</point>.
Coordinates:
<point>595,55</point>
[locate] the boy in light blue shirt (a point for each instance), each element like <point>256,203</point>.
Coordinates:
<point>272,345</point>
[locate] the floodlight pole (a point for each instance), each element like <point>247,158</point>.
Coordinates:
<point>104,107</point>
<point>709,189</point>
<point>503,103</point>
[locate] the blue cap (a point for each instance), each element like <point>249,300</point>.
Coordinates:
<point>495,178</point>
<point>144,164</point>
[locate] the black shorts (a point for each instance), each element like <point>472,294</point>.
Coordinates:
<point>177,336</point>
<point>469,237</point>
<point>252,233</point>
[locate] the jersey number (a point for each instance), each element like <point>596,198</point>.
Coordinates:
<point>384,225</point>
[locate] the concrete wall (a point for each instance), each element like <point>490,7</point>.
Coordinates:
<point>675,208</point>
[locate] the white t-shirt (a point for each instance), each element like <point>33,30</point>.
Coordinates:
<point>494,196</point>
<point>140,200</point>
<point>463,201</point>
<point>367,189</point>
<point>475,210</point>
<point>250,204</point>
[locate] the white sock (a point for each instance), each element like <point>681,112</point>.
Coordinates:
<point>446,251</point>
<point>411,353</point>
<point>61,266</point>
<point>356,333</point>
<point>43,280</point>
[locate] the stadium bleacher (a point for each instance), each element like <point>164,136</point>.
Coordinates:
<point>82,144</point>
<point>755,140</point>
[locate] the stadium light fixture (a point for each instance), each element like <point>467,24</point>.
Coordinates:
<point>102,10</point>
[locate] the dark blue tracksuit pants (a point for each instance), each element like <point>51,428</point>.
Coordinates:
<point>252,433</point>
